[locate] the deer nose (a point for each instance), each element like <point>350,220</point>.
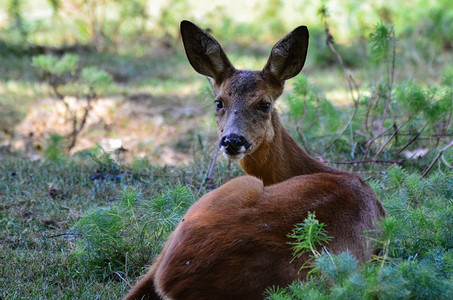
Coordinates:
<point>234,144</point>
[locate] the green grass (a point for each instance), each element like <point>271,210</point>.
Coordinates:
<point>65,235</point>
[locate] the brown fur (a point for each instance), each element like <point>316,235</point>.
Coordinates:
<point>232,243</point>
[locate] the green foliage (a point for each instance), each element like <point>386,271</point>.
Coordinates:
<point>63,70</point>
<point>313,112</point>
<point>336,268</point>
<point>125,236</point>
<point>431,105</point>
<point>447,78</point>
<point>52,65</point>
<point>437,27</point>
<point>382,42</point>
<point>417,243</point>
<point>14,9</point>
<point>423,210</point>
<point>307,235</point>
<point>104,161</point>
<point>55,148</point>
<point>95,79</point>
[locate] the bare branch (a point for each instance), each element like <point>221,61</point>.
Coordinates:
<point>439,155</point>
<point>392,136</point>
<point>373,139</point>
<point>390,77</point>
<point>352,84</point>
<point>413,139</point>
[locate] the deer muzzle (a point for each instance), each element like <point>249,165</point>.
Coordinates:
<point>234,146</point>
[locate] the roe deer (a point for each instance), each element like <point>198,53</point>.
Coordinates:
<point>232,243</point>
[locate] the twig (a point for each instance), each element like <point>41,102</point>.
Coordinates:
<point>369,106</point>
<point>392,136</point>
<point>54,86</point>
<point>373,139</point>
<point>300,124</point>
<point>78,128</point>
<point>211,169</point>
<point>446,163</point>
<point>398,162</point>
<point>413,139</point>
<point>63,234</point>
<point>123,278</point>
<point>351,84</point>
<point>441,152</point>
<point>447,123</point>
<point>389,83</point>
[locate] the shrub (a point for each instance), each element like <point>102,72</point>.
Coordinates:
<point>126,236</point>
<point>416,262</point>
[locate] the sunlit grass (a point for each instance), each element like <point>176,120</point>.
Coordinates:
<point>160,110</point>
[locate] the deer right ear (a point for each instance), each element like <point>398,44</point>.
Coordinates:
<point>288,55</point>
<point>204,52</point>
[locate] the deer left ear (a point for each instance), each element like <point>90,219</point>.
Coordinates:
<point>204,52</point>
<point>288,56</point>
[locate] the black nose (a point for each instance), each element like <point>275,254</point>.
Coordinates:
<point>233,143</point>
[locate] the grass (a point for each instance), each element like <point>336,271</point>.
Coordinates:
<point>48,208</point>
<point>83,227</point>
<point>67,235</point>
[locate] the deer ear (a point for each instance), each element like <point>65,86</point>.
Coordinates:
<point>204,52</point>
<point>288,56</point>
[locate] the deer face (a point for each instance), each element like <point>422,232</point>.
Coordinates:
<point>244,101</point>
<point>244,107</point>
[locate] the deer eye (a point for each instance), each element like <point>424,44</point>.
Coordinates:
<point>264,106</point>
<point>218,104</point>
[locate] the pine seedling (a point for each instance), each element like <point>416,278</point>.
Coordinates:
<point>307,235</point>
<point>337,268</point>
<point>382,42</point>
<point>104,161</point>
<point>54,150</point>
<point>384,236</point>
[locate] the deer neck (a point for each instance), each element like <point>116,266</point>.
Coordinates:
<point>281,159</point>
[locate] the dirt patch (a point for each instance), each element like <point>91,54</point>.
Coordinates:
<point>160,129</point>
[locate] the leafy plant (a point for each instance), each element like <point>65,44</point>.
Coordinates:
<point>104,161</point>
<point>307,235</point>
<point>312,113</point>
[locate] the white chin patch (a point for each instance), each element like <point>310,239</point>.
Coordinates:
<point>241,153</point>
<point>235,157</point>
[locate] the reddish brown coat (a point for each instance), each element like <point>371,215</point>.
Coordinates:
<point>232,243</point>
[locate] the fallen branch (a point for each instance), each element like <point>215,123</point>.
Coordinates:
<point>373,139</point>
<point>391,137</point>
<point>413,139</point>
<point>439,155</point>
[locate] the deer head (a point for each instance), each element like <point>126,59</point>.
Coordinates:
<point>245,100</point>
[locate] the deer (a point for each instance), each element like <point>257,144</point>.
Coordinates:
<point>232,243</point>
